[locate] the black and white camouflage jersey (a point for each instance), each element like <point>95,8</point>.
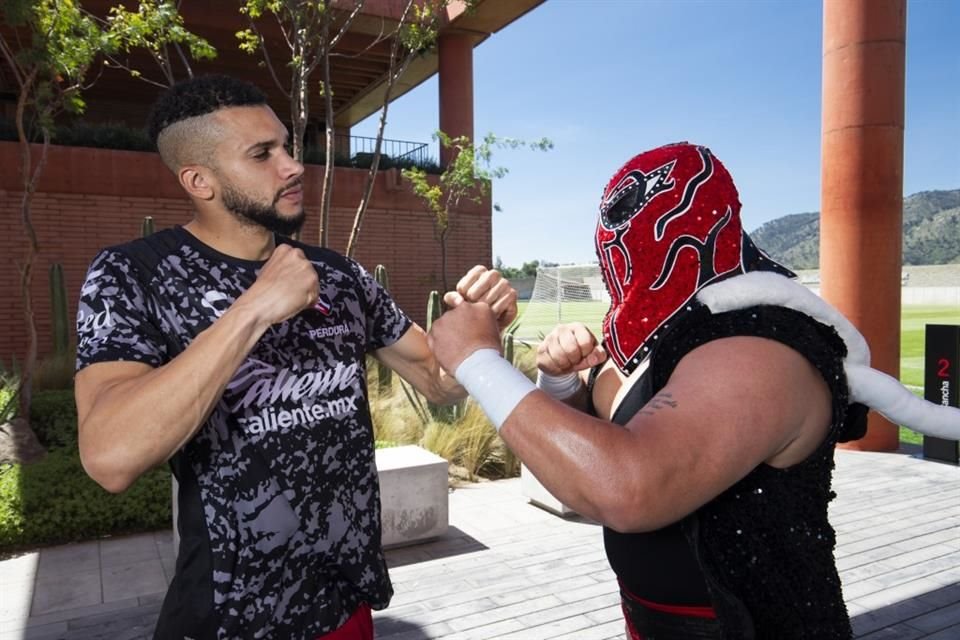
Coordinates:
<point>279,507</point>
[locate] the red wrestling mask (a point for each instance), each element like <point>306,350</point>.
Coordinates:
<point>669,226</point>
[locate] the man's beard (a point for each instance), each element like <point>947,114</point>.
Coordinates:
<point>249,211</point>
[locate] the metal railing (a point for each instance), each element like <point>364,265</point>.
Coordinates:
<point>397,150</point>
<point>357,151</point>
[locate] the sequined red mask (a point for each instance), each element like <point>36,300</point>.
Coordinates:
<point>669,225</point>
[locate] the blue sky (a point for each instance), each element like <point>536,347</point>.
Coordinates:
<point>606,79</point>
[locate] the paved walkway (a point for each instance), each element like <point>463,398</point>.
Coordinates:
<point>510,570</point>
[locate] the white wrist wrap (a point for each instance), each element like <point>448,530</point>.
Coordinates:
<point>494,383</point>
<point>559,387</point>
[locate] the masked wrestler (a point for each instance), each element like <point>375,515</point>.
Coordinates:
<point>701,432</point>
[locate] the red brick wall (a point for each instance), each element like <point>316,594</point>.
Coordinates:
<point>92,198</point>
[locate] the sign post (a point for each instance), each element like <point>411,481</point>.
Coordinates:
<point>941,383</point>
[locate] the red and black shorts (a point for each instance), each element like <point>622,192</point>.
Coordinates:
<point>648,620</point>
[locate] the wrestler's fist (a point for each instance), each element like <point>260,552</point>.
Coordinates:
<point>569,347</point>
<point>486,285</point>
<point>286,285</point>
<point>467,327</point>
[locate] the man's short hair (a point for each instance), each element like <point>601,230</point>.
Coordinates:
<point>200,96</point>
<point>176,125</point>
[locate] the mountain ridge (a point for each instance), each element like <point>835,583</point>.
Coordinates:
<point>931,232</point>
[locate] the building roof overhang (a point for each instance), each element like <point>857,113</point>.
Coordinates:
<point>359,68</point>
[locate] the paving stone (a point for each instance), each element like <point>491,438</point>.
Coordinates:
<point>67,591</point>
<point>57,561</point>
<point>128,550</point>
<point>133,579</point>
<point>64,615</point>
<point>15,604</point>
<point>18,569</point>
<point>944,618</point>
<point>507,569</point>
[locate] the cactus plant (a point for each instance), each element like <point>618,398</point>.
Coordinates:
<point>441,413</point>
<point>508,348</point>
<point>384,373</point>
<point>58,310</point>
<point>381,276</point>
<point>146,227</point>
<point>434,308</point>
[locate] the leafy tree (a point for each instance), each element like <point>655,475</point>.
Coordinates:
<point>416,34</point>
<point>157,28</point>
<point>51,50</point>
<point>310,29</point>
<point>510,273</point>
<point>468,175</point>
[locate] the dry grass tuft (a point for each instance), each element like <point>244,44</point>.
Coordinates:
<point>470,443</point>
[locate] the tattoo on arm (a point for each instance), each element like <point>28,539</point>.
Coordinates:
<point>658,402</point>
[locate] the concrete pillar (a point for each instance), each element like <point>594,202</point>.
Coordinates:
<point>456,87</point>
<point>861,211</point>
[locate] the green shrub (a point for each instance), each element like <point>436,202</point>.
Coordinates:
<point>119,136</point>
<point>8,131</point>
<point>53,417</point>
<point>9,392</point>
<point>108,135</point>
<point>54,501</point>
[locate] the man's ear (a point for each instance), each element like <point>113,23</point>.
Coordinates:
<point>197,181</point>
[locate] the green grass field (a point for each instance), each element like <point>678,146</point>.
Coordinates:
<point>912,324</point>
<point>539,318</point>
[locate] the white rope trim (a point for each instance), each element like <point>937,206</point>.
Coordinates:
<point>877,390</point>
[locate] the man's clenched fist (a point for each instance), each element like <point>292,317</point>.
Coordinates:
<point>568,348</point>
<point>286,285</point>
<point>486,285</point>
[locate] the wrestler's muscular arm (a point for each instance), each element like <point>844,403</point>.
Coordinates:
<point>133,417</point>
<point>729,406</point>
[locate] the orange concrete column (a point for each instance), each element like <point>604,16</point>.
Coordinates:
<point>861,209</point>
<point>456,87</point>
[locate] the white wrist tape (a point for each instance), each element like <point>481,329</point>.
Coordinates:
<point>559,387</point>
<point>494,383</point>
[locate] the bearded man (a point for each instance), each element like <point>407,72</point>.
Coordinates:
<point>238,356</point>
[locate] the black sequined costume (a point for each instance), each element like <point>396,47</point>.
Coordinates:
<point>764,547</point>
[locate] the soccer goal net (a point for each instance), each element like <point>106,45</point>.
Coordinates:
<point>569,293</point>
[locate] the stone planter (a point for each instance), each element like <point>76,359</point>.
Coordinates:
<point>538,495</point>
<point>413,496</point>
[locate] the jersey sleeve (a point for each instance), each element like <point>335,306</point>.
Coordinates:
<point>386,322</point>
<point>113,319</point>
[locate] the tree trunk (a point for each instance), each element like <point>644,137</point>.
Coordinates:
<point>299,109</point>
<point>392,77</point>
<point>18,443</point>
<point>370,180</point>
<point>326,190</point>
<point>443,260</point>
<point>299,106</point>
<point>30,177</point>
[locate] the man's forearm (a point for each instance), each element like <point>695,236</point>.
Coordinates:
<point>140,422</point>
<point>448,390</point>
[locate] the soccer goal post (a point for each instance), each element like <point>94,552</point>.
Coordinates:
<point>562,294</point>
